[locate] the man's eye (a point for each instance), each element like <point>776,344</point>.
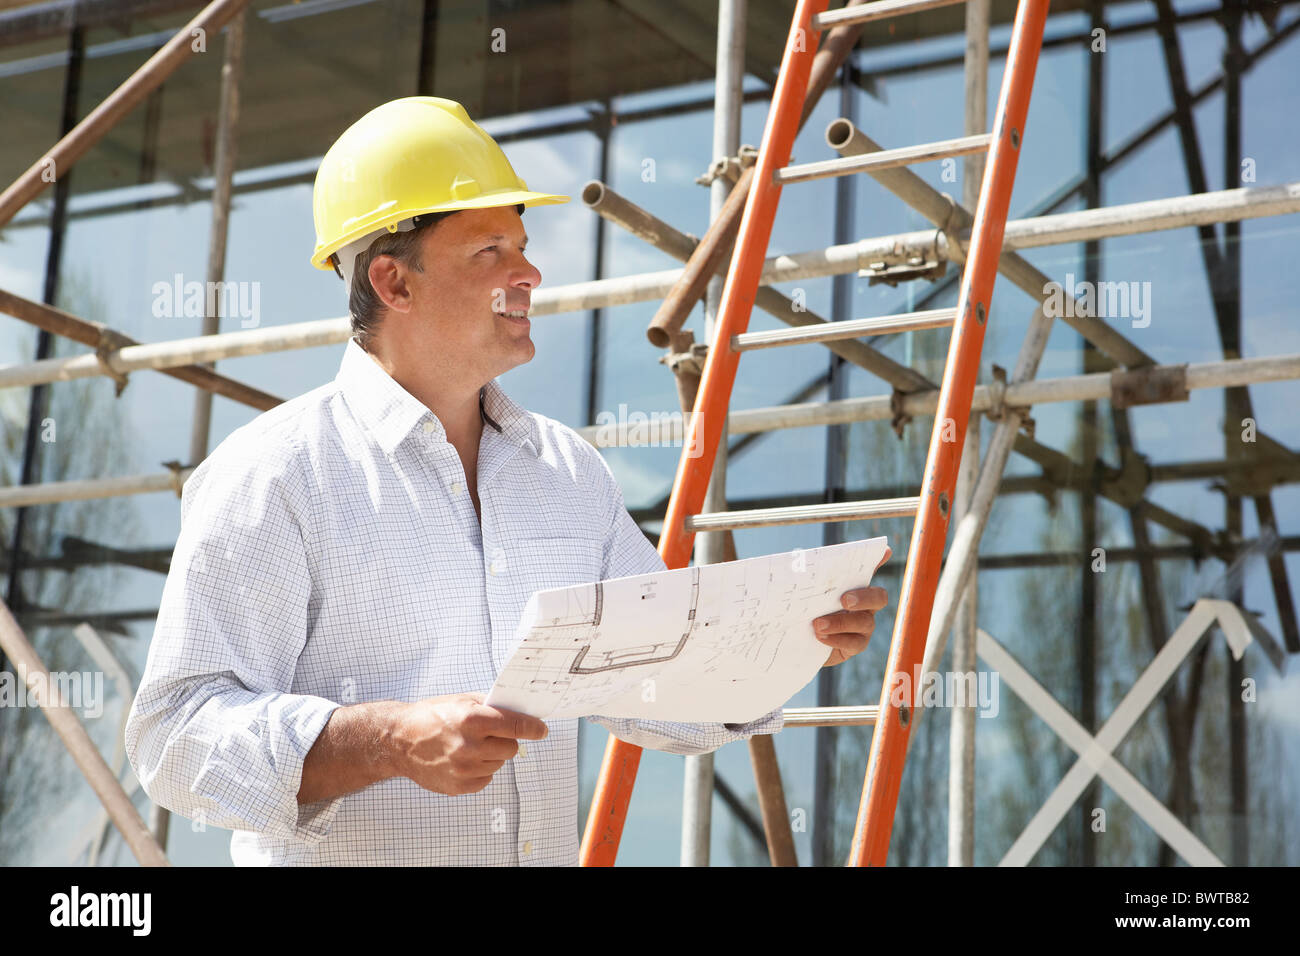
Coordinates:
<point>488,249</point>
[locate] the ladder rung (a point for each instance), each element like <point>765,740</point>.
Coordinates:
<point>866,12</point>
<point>847,716</point>
<point>852,329</point>
<point>883,159</point>
<point>804,514</point>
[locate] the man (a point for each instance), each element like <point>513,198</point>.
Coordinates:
<point>352,564</point>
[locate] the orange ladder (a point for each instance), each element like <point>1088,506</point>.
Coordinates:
<point>929,533</point>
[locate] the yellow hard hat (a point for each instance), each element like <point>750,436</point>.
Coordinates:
<point>417,155</point>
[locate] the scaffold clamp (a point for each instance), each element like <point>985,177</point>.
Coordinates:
<point>729,166</point>
<point>111,341</point>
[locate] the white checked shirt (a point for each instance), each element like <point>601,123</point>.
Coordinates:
<point>330,554</point>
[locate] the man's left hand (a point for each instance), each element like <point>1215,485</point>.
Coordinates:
<point>848,631</point>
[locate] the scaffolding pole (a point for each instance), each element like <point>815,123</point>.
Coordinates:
<point>826,738</point>
<point>906,380</point>
<point>961,730</point>
<point>109,345</point>
<point>112,361</point>
<point>1012,399</point>
<point>604,201</point>
<point>1226,206</point>
<point>951,218</point>
<point>697,795</point>
<point>79,140</point>
<point>32,674</point>
<point>1148,216</point>
<point>223,174</point>
<point>48,492</point>
<point>960,562</point>
<point>1119,385</point>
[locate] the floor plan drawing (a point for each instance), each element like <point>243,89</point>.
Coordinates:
<point>580,605</point>
<point>724,642</point>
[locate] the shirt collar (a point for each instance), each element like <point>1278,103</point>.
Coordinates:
<point>390,412</point>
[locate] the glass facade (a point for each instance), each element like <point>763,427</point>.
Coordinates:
<point>623,92</point>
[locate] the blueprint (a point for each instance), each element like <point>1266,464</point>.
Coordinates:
<point>719,643</point>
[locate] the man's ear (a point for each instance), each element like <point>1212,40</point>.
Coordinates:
<point>388,279</point>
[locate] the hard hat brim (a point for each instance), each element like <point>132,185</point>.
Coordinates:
<point>390,217</point>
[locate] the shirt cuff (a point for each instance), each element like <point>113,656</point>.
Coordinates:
<point>314,820</point>
<point>687,739</point>
<point>770,723</point>
<point>254,772</point>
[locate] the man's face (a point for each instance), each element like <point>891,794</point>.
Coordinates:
<point>475,276</point>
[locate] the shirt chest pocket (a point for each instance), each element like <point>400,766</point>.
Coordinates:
<point>544,563</point>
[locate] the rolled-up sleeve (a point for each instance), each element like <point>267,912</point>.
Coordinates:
<point>216,733</point>
<point>628,552</point>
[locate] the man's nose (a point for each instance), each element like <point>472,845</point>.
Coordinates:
<point>528,275</point>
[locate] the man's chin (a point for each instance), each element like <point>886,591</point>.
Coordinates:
<point>522,354</point>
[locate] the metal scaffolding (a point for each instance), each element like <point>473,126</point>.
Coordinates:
<point>1114,369</point>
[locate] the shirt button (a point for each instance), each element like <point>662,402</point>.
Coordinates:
<point>528,847</point>
<point>457,487</point>
<point>523,751</point>
<point>428,427</point>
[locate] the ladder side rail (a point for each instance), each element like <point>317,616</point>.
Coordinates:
<point>916,598</point>
<point>618,770</point>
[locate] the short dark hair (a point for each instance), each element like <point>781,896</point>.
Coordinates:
<point>364,304</point>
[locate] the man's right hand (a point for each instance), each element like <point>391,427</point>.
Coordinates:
<point>454,744</point>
